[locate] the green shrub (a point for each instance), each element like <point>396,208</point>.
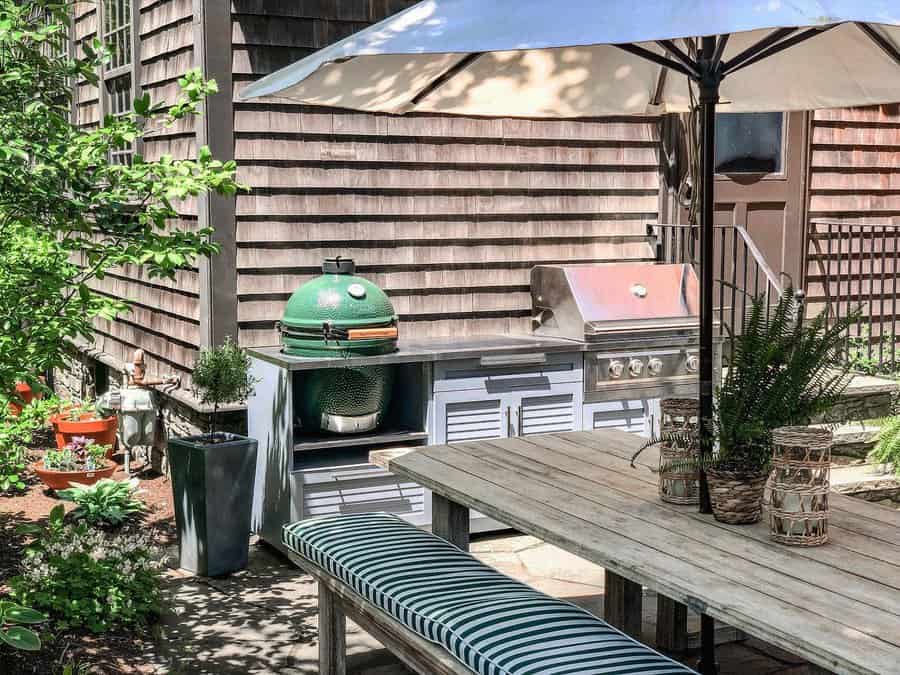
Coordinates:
<point>13,621</point>
<point>15,436</point>
<point>222,375</point>
<point>81,576</point>
<point>887,447</point>
<point>107,501</point>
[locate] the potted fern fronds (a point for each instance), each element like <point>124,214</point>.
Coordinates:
<point>784,370</point>
<point>213,473</point>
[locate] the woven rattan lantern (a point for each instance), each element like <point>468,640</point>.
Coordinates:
<point>798,503</point>
<point>678,431</point>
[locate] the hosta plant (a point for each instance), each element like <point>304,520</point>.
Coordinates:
<point>85,577</point>
<point>108,501</point>
<point>15,626</point>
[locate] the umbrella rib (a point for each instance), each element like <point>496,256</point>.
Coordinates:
<point>781,46</point>
<point>446,76</point>
<point>656,58</point>
<point>679,56</point>
<point>760,46</point>
<point>720,49</point>
<point>881,41</point>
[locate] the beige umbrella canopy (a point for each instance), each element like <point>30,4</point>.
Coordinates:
<point>560,59</point>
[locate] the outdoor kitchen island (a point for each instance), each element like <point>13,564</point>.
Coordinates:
<point>445,391</point>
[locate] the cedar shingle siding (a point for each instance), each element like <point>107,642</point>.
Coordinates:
<point>446,214</point>
<point>165,318</point>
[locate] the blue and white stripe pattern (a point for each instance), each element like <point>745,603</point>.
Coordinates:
<point>493,624</point>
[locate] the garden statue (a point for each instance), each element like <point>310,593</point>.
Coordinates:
<point>139,409</point>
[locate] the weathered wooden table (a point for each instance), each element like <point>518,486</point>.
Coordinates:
<point>837,605</point>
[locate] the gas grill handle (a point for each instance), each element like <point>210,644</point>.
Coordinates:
<point>513,360</point>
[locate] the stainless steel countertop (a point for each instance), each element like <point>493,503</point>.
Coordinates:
<point>428,350</point>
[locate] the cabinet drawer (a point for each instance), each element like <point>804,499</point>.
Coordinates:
<point>497,375</point>
<point>360,488</point>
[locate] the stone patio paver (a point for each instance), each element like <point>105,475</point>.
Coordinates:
<point>263,620</point>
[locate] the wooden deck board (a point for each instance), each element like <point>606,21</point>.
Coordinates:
<point>838,605</point>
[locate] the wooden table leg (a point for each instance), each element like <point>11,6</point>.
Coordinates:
<point>671,625</point>
<point>623,604</point>
<point>332,634</point>
<point>450,521</point>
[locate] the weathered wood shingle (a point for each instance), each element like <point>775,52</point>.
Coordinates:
<point>447,214</point>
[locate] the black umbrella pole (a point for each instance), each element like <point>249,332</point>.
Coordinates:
<point>709,96</point>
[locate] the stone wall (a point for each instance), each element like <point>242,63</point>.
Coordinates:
<point>79,380</point>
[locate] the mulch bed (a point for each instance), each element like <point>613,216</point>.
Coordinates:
<point>121,651</point>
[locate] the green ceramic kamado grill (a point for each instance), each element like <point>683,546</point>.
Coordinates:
<point>341,315</point>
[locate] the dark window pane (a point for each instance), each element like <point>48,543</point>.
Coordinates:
<point>118,95</point>
<point>749,142</point>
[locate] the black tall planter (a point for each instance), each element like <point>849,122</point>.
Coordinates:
<point>213,490</point>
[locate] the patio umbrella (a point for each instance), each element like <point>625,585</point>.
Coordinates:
<point>586,58</point>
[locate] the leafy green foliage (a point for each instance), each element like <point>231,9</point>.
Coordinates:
<point>783,371</point>
<point>15,436</point>
<point>14,619</point>
<point>82,576</point>
<point>222,375</point>
<point>872,356</point>
<point>106,502</point>
<point>887,447</point>
<point>80,454</point>
<point>69,214</point>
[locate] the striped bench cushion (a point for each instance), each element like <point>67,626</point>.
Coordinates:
<point>491,623</point>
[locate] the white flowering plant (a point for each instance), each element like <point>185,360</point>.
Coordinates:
<point>84,577</point>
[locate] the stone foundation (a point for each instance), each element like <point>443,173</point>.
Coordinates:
<point>182,414</point>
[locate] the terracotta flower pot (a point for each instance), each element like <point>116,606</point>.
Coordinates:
<point>26,395</point>
<point>736,496</point>
<point>103,431</point>
<point>60,480</point>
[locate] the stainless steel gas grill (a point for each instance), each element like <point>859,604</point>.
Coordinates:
<point>640,323</point>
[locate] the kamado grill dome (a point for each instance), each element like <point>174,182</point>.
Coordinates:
<point>339,312</point>
<point>341,315</point>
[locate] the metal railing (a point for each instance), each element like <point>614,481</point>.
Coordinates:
<point>852,267</point>
<point>740,270</point>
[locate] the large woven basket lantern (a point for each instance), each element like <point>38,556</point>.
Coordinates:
<point>679,429</point>
<point>799,485</point>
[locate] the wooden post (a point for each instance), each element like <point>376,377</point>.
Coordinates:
<point>332,634</point>
<point>450,521</point>
<point>671,625</point>
<point>623,604</point>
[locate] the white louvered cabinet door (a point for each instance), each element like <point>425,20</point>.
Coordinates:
<point>463,416</point>
<point>546,413</point>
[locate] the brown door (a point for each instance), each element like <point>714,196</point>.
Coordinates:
<point>761,162</point>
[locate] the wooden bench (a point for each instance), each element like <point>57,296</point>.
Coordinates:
<point>337,602</point>
<point>442,612</point>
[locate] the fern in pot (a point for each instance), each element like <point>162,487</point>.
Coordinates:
<point>213,473</point>
<point>784,370</point>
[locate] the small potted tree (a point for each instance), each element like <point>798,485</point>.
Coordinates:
<point>213,473</point>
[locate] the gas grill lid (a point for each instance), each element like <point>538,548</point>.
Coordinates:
<point>581,301</point>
